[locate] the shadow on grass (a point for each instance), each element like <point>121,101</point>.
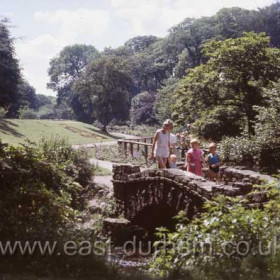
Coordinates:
<point>7,127</point>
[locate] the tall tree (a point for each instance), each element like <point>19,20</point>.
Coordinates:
<point>9,67</point>
<point>140,43</point>
<point>269,21</point>
<point>142,108</point>
<point>65,69</point>
<point>165,98</point>
<point>234,76</point>
<point>26,98</point>
<point>105,86</point>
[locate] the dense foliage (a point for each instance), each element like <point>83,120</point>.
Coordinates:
<point>40,185</point>
<point>262,149</point>
<point>42,189</point>
<point>64,70</point>
<point>104,89</point>
<point>226,88</point>
<point>156,67</point>
<point>9,68</point>
<point>228,241</point>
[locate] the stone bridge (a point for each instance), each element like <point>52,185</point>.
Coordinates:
<point>152,198</point>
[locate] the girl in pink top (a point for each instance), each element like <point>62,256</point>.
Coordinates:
<point>194,158</point>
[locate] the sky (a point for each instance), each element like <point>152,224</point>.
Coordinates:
<point>42,28</point>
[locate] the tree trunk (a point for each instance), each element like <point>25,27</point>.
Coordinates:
<point>104,128</point>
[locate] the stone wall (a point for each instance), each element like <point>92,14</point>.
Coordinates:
<point>141,194</point>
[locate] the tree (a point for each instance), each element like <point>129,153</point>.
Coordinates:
<point>232,22</point>
<point>269,21</point>
<point>235,75</point>
<point>105,87</point>
<point>9,67</point>
<point>150,68</point>
<point>26,98</point>
<point>142,108</point>
<point>165,98</point>
<point>140,43</point>
<point>65,69</point>
<point>43,100</point>
<point>189,36</point>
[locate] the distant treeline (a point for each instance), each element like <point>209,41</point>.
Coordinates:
<point>134,82</point>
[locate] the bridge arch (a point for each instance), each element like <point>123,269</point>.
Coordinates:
<point>153,197</point>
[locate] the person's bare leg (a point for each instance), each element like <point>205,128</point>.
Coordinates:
<point>211,175</point>
<point>164,161</point>
<point>218,179</point>
<point>160,162</point>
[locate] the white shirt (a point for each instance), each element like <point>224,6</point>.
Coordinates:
<point>173,139</point>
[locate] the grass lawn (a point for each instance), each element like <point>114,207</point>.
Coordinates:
<point>15,131</point>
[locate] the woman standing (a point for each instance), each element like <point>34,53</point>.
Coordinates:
<point>161,145</point>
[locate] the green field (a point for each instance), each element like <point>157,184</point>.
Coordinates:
<point>15,131</point>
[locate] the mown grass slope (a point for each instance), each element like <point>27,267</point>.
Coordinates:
<point>15,131</point>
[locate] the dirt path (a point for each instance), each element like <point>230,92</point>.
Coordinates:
<point>108,143</point>
<point>102,163</point>
<point>104,180</point>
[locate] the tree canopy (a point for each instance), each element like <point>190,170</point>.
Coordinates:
<point>9,67</point>
<point>234,76</point>
<point>65,69</point>
<point>104,89</point>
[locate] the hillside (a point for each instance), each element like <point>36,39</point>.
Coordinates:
<point>15,131</point>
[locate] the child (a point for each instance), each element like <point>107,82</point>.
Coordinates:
<point>161,145</point>
<point>172,161</point>
<point>194,158</point>
<point>214,162</point>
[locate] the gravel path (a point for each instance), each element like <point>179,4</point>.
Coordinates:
<point>105,180</point>
<point>102,163</point>
<point>108,143</point>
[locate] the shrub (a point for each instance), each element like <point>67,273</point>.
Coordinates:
<point>138,130</point>
<point>41,189</point>
<point>141,111</point>
<point>219,122</point>
<point>257,151</point>
<point>114,154</point>
<point>241,150</point>
<point>37,187</point>
<point>75,162</point>
<point>228,241</point>
<point>27,113</point>
<point>3,112</point>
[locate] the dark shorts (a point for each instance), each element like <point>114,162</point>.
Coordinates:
<point>215,169</point>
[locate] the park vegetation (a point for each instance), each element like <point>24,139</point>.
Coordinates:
<point>228,241</point>
<point>140,81</point>
<point>219,73</point>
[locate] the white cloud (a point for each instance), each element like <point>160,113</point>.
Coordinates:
<point>93,26</point>
<point>157,16</point>
<point>76,23</point>
<point>35,56</point>
<point>78,26</point>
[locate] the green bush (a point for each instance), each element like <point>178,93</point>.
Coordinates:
<point>27,113</point>
<point>258,151</point>
<point>138,130</point>
<point>241,150</point>
<point>219,122</point>
<point>39,185</point>
<point>114,154</point>
<point>228,241</point>
<point>41,198</point>
<point>3,112</point>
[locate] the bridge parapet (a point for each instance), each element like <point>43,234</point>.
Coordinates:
<point>144,196</point>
